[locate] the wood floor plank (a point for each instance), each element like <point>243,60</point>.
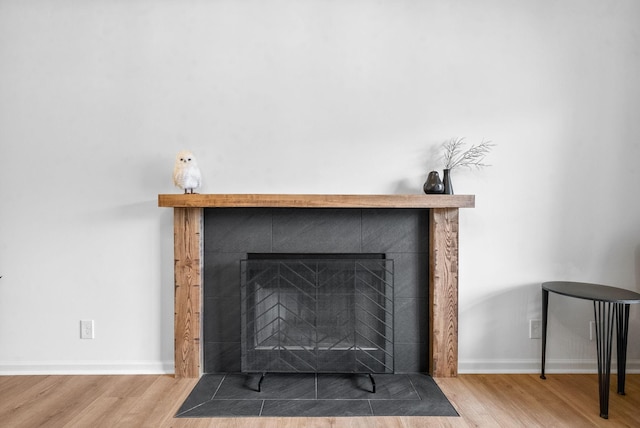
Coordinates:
<point>103,412</point>
<point>54,401</point>
<point>128,386</point>
<point>159,403</point>
<point>152,401</point>
<point>472,406</point>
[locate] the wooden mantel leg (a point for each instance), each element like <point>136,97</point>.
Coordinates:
<point>187,228</point>
<point>443,292</point>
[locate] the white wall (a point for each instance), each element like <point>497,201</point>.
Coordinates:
<point>290,96</point>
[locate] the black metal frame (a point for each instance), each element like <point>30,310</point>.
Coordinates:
<point>606,314</point>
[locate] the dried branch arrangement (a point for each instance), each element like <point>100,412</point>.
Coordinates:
<point>455,157</point>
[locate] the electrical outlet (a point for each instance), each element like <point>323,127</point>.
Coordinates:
<point>86,329</point>
<point>592,330</point>
<point>535,329</point>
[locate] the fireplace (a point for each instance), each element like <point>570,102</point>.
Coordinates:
<point>436,239</point>
<point>317,313</point>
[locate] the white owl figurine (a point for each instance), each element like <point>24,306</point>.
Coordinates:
<point>186,174</point>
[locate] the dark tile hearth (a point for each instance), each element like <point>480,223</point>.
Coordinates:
<point>319,395</point>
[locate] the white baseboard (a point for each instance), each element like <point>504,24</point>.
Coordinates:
<point>9,368</point>
<point>533,366</point>
<point>12,368</point>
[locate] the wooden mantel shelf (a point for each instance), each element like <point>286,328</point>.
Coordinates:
<point>314,201</point>
<point>188,220</point>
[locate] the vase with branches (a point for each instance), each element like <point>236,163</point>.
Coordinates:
<point>455,156</point>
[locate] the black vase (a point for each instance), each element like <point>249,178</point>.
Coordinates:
<point>433,183</point>
<point>448,187</point>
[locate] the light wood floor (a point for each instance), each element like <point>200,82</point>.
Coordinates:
<point>151,401</point>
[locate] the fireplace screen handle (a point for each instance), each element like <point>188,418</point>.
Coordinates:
<point>373,383</point>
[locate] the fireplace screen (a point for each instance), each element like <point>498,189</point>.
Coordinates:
<point>322,313</point>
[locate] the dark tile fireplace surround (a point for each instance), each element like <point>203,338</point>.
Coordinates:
<point>231,233</point>
<point>366,221</point>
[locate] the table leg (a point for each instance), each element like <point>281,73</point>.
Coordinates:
<point>622,327</point>
<point>545,307</point>
<point>604,317</point>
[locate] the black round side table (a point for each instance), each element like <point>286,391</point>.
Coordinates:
<point>610,305</point>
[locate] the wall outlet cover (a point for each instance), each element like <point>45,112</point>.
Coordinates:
<point>535,329</point>
<point>86,329</point>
